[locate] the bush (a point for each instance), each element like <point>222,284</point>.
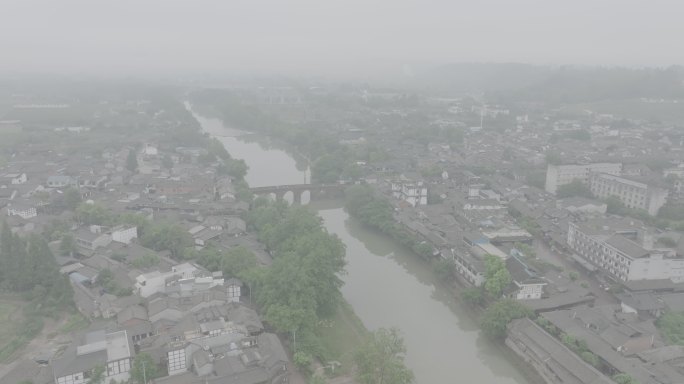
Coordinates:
<point>443,269</point>
<point>671,325</point>
<point>498,315</point>
<point>473,296</point>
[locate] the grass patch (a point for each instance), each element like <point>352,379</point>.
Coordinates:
<point>11,319</point>
<point>342,336</point>
<point>15,330</point>
<point>74,323</point>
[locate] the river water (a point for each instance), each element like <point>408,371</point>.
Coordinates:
<point>389,286</point>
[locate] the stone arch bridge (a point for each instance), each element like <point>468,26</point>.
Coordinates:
<point>316,191</point>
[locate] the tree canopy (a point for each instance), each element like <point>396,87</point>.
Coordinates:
<point>575,188</point>
<point>132,161</point>
<point>380,360</point>
<point>303,282</point>
<point>496,275</point>
<point>143,368</point>
<point>167,236</point>
<point>27,266</point>
<point>499,314</point>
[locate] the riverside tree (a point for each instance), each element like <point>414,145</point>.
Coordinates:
<point>380,360</point>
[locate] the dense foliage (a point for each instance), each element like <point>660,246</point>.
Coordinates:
<point>235,262</point>
<point>303,283</point>
<point>496,275</point>
<point>671,325</point>
<point>380,360</point>
<point>623,378</point>
<point>499,314</point>
<point>28,267</point>
<point>166,236</point>
<point>575,188</point>
<point>144,369</point>
<point>376,211</point>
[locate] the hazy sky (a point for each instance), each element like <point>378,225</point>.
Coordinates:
<point>329,36</point>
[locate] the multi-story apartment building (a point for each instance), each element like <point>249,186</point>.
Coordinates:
<point>557,175</point>
<point>611,251</point>
<point>632,194</point>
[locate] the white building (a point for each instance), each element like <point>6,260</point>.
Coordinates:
<point>631,193</point>
<point>124,234</point>
<point>557,175</point>
<point>110,350</point>
<point>611,252</point>
<point>150,150</point>
<point>21,210</point>
<point>61,181</point>
<point>15,178</point>
<point>470,267</point>
<point>528,285</point>
<point>234,290</point>
<point>183,278</point>
<point>413,193</point>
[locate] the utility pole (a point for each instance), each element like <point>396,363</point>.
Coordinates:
<point>144,375</point>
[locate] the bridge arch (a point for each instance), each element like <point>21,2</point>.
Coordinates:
<point>301,193</point>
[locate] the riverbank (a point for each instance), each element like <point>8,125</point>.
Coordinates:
<point>387,286</point>
<point>375,214</point>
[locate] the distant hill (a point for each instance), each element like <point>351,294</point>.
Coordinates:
<point>567,84</point>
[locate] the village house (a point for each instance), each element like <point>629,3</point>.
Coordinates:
<point>528,285</point>
<point>92,238</point>
<point>124,234</point>
<point>555,362</point>
<point>412,193</point>
<point>111,350</point>
<point>23,210</point>
<point>61,181</point>
<point>13,178</point>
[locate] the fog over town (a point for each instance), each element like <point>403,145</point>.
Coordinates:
<point>341,192</point>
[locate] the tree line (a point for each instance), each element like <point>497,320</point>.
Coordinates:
<point>303,284</point>
<point>376,211</point>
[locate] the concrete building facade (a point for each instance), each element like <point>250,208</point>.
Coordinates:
<point>557,175</point>
<point>632,194</point>
<point>622,258</point>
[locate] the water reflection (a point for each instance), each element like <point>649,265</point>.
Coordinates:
<point>389,286</point>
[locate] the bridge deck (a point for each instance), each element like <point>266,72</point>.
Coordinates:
<point>297,187</point>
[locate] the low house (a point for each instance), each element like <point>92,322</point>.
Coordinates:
<point>527,284</point>
<point>470,267</point>
<point>99,348</point>
<point>643,304</point>
<point>61,181</point>
<point>482,204</point>
<point>13,178</point>
<point>92,238</point>
<point>124,234</point>
<point>183,278</point>
<point>555,362</point>
<point>202,234</point>
<point>25,211</point>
